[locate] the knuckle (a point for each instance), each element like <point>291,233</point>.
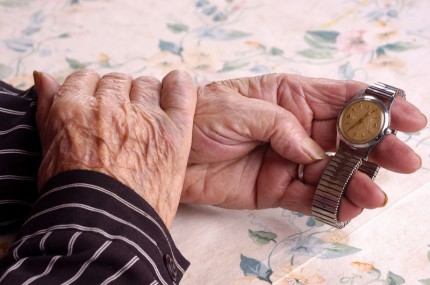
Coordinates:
<point>210,89</point>
<point>87,71</point>
<point>180,73</point>
<point>84,73</point>
<point>147,80</point>
<point>81,76</point>
<point>117,75</point>
<point>115,80</point>
<point>78,83</point>
<point>114,85</point>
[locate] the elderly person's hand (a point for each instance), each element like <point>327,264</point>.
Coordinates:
<point>251,134</point>
<point>137,131</point>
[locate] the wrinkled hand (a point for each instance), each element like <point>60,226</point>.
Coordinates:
<point>137,131</point>
<point>250,135</point>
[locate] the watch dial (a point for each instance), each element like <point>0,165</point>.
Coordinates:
<point>361,121</point>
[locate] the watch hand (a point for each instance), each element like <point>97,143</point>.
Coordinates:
<point>361,119</point>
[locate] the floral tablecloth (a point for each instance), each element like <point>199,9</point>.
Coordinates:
<point>367,40</point>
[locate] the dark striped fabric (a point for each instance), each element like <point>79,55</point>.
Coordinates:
<point>19,155</point>
<point>85,228</point>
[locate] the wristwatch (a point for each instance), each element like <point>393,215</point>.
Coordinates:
<point>361,125</point>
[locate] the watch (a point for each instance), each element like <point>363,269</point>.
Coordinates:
<point>361,125</point>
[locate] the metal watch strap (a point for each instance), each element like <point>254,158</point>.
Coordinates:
<point>335,179</point>
<point>330,189</point>
<point>369,168</point>
<point>386,91</point>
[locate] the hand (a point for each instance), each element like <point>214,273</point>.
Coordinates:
<point>250,135</point>
<point>137,131</point>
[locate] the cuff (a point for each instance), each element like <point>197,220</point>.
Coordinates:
<point>92,200</point>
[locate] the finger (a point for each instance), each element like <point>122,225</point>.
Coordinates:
<point>361,192</point>
<point>348,210</point>
<point>146,90</point>
<point>312,172</point>
<point>285,133</point>
<point>250,121</point>
<point>325,97</point>
<point>275,176</point>
<point>393,154</point>
<point>46,87</point>
<point>405,117</point>
<point>281,87</point>
<point>78,88</point>
<point>80,84</point>
<point>325,134</point>
<point>364,192</point>
<point>179,99</point>
<point>299,198</point>
<point>114,87</point>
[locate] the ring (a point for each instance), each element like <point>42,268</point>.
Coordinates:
<point>300,171</point>
<point>301,167</point>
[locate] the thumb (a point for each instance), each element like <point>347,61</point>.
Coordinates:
<point>46,87</point>
<point>288,137</point>
<point>245,120</point>
<point>178,100</point>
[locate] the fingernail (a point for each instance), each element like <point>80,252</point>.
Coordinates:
<point>385,200</point>
<point>420,159</point>
<point>425,118</point>
<point>313,150</point>
<point>37,77</point>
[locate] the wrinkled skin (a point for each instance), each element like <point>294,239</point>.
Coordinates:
<point>250,134</point>
<point>137,131</point>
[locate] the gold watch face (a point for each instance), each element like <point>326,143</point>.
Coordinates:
<point>361,121</point>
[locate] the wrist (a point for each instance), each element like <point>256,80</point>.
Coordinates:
<point>57,163</point>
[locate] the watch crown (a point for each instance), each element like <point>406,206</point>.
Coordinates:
<point>388,131</point>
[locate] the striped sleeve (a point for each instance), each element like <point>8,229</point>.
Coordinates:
<point>19,155</point>
<point>88,228</point>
